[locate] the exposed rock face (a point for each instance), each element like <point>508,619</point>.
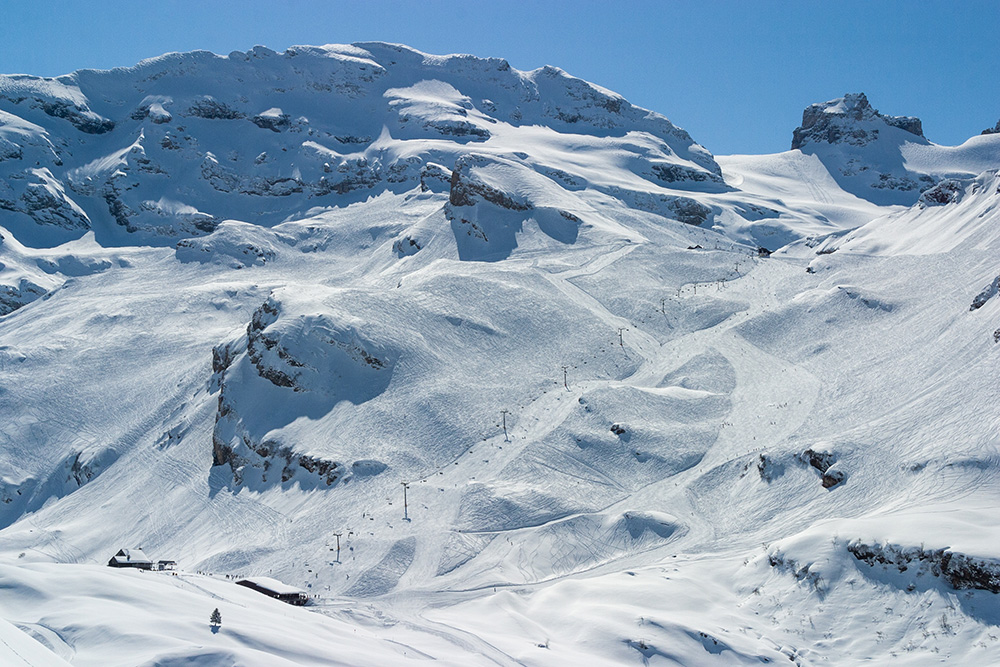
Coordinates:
<point>211,109</point>
<point>234,444</point>
<point>466,190</point>
<point>353,174</point>
<point>154,111</point>
<point>299,361</point>
<point>769,468</point>
<point>485,217</point>
<point>260,342</point>
<point>406,246</point>
<point>849,119</point>
<point>961,571</point>
<point>992,130</point>
<point>865,151</point>
<point>824,462</point>
<point>988,293</point>
<point>81,117</point>
<point>434,178</point>
<point>13,297</point>
<point>272,119</point>
<point>947,191</point>
<point>674,173</point>
<point>37,193</point>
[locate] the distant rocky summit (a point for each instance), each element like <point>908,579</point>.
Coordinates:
<point>864,150</point>
<point>992,130</point>
<point>850,119</point>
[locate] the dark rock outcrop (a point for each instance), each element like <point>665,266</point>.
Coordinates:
<point>988,293</point>
<point>157,115</point>
<point>339,101</point>
<point>210,109</point>
<point>406,246</point>
<point>82,119</point>
<point>304,359</point>
<point>947,191</point>
<point>434,178</point>
<point>457,128</point>
<point>675,173</point>
<point>466,190</point>
<point>961,571</point>
<point>849,120</point>
<point>273,122</point>
<point>769,468</point>
<point>44,198</point>
<point>258,341</point>
<point>824,463</point>
<point>16,296</point>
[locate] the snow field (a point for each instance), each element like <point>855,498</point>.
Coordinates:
<point>625,435</point>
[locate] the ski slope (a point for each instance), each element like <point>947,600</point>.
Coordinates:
<point>626,434</point>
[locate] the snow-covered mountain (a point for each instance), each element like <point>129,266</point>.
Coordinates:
<point>177,144</point>
<point>647,404</point>
<point>884,159</point>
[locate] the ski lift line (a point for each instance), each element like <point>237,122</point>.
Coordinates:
<point>454,461</point>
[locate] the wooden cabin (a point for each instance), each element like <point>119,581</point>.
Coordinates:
<point>131,558</point>
<point>275,589</point>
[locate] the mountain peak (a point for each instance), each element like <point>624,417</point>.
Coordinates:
<point>173,146</point>
<point>849,119</point>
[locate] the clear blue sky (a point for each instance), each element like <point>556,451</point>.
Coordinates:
<point>736,74</point>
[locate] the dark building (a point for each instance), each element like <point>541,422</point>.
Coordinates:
<point>131,558</point>
<point>275,589</point>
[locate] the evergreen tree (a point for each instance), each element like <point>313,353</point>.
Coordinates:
<point>216,619</point>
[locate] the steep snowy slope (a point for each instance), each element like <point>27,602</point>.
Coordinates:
<point>624,433</point>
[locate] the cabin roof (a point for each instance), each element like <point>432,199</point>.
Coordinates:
<point>273,585</point>
<point>132,556</point>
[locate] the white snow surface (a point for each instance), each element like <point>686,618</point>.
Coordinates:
<point>249,301</point>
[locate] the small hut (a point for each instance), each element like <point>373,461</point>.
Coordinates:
<point>131,558</point>
<point>275,589</point>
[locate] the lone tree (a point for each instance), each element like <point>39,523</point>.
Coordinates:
<point>216,619</point>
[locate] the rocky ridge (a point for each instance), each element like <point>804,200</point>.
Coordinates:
<point>850,119</point>
<point>315,126</point>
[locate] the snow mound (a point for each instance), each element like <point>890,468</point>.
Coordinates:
<point>233,243</point>
<point>163,619</point>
